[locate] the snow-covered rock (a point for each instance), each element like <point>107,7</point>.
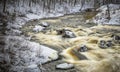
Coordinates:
<point>38,28</point>
<point>68,34</point>
<point>44,24</point>
<point>48,54</point>
<point>64,66</point>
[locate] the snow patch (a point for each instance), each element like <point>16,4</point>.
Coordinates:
<point>48,53</point>
<point>101,17</point>
<point>26,53</point>
<point>32,16</point>
<point>38,28</point>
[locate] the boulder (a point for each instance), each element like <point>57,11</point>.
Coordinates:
<point>102,44</point>
<point>83,48</point>
<point>116,37</point>
<point>64,66</point>
<point>105,44</point>
<point>44,24</point>
<point>68,34</point>
<point>38,28</point>
<point>109,43</point>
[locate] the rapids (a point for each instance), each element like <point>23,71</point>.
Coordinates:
<point>95,59</point>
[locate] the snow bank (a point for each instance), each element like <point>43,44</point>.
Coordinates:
<point>23,53</point>
<point>101,17</point>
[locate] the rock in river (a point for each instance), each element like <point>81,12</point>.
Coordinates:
<point>64,66</point>
<point>68,34</point>
<point>38,28</point>
<point>44,24</point>
<point>83,48</point>
<point>116,37</point>
<point>109,43</point>
<point>102,44</point>
<point>105,44</point>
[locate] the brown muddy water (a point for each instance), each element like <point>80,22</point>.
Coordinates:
<point>95,59</point>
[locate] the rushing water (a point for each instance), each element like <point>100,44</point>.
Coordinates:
<point>95,59</point>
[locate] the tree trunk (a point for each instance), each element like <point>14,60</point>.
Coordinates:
<point>82,4</point>
<point>4,6</point>
<point>108,10</point>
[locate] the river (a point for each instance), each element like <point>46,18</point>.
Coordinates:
<point>95,59</point>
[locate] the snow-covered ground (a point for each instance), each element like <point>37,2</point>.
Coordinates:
<point>24,53</point>
<point>101,17</point>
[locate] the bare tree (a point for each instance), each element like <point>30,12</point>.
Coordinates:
<point>82,4</point>
<point>108,9</point>
<point>4,6</point>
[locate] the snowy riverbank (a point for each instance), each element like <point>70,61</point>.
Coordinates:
<point>101,17</point>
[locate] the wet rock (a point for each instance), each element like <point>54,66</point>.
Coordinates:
<point>102,44</point>
<point>68,34</point>
<point>59,32</point>
<point>44,24</point>
<point>116,37</point>
<point>109,43</point>
<point>105,44</point>
<point>83,48</point>
<point>79,55</point>
<point>64,66</point>
<point>38,28</point>
<point>32,68</point>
